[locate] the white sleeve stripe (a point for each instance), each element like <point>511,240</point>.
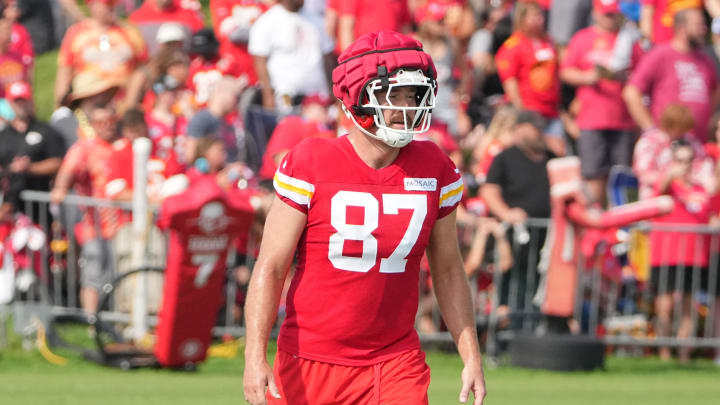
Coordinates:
<point>297,183</point>
<point>451,187</point>
<point>293,196</point>
<point>449,202</point>
<point>115,187</point>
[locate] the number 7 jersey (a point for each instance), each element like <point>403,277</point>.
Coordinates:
<point>354,295</point>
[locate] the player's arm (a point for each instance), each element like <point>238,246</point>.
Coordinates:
<point>263,75</point>
<point>453,295</point>
<point>283,228</point>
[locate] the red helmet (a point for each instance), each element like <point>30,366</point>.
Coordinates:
<point>381,61</point>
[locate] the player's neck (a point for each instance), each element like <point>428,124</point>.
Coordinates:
<point>374,152</point>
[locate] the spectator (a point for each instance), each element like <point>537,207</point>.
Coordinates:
<point>20,40</point>
<point>653,152</point>
<point>677,256</point>
<point>215,121</point>
<point>121,162</point>
<point>166,125</point>
<point>497,138</point>
<point>527,65</point>
<point>154,13</point>
<point>101,45</point>
<point>170,64</point>
<point>85,169</point>
<point>209,66</point>
<point>89,92</point>
<point>606,137</point>
<point>292,130</point>
<point>171,35</point>
<point>36,16</point>
<point>37,147</point>
<point>12,68</point>
<point>232,20</point>
<point>675,72</point>
<point>289,56</point>
<point>436,34</point>
<point>517,188</point>
<point>656,16</point>
<point>358,17</point>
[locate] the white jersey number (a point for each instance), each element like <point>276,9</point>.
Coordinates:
<point>392,203</point>
<point>206,265</point>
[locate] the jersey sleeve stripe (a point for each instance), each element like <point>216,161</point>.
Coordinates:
<point>299,191</point>
<point>451,194</point>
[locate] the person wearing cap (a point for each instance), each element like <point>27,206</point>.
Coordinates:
<point>517,188</point>
<point>290,54</point>
<point>168,63</point>
<point>606,137</point>
<point>101,45</point>
<point>675,72</point>
<point>154,14</point>
<point>31,148</point>
<point>209,66</point>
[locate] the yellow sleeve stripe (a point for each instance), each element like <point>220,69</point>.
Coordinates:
<point>301,192</point>
<point>451,194</point>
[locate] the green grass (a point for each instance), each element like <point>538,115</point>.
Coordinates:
<point>44,83</point>
<point>27,379</point>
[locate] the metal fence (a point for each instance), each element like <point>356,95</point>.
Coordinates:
<point>618,289</point>
<point>615,300</point>
<point>54,272</point>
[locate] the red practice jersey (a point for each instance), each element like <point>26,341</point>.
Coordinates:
<point>202,222</point>
<point>354,296</point>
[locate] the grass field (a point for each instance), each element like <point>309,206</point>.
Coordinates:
<point>27,379</point>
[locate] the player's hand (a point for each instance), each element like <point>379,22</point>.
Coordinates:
<point>57,195</point>
<point>473,379</point>
<point>257,377</point>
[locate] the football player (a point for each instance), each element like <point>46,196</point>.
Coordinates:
<point>358,212</point>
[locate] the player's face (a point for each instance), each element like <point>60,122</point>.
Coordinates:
<point>695,28</point>
<point>530,137</point>
<point>399,96</point>
<point>609,22</point>
<point>534,21</point>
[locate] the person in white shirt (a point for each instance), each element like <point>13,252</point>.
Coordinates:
<point>289,54</point>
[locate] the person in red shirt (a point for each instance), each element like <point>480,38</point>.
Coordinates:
<point>360,211</point>
<point>153,13</point>
<point>85,169</point>
<point>121,166</point>
<point>12,67</point>
<point>166,123</point>
<point>528,67</point>
<point>606,137</point>
<point>656,16</point>
<point>292,130</point>
<point>20,40</point>
<point>358,17</point>
<point>677,256</point>
<point>232,20</point>
<point>101,46</point>
<point>209,66</point>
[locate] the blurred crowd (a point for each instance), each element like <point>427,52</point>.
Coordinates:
<point>227,87</point>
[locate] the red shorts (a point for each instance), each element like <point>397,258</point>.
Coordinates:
<point>401,380</point>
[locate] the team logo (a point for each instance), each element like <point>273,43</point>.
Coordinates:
<point>190,349</point>
<point>420,184</point>
<point>33,138</point>
<point>212,218</point>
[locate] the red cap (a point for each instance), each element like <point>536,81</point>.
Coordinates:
<point>435,10</point>
<point>317,98</point>
<point>607,6</point>
<point>18,90</point>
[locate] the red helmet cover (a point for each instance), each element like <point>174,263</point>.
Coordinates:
<point>359,63</point>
